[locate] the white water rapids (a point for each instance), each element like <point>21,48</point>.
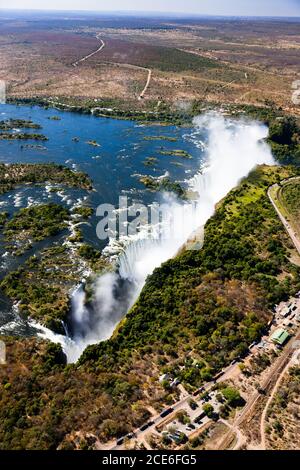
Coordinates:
<point>234,148</point>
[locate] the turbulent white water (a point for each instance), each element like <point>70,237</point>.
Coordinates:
<point>90,327</point>
<point>233,149</point>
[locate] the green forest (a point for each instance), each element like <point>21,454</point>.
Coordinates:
<point>200,304</point>
<point>196,313</point>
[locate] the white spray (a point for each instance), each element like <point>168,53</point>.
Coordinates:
<point>234,148</point>
<point>91,327</point>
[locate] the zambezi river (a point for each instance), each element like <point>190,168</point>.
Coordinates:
<point>114,163</point>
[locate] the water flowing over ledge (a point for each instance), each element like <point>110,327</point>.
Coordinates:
<point>234,148</point>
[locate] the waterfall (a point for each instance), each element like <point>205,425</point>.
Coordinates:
<point>234,148</point>
<point>80,316</point>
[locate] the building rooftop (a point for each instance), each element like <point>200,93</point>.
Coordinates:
<point>280,336</point>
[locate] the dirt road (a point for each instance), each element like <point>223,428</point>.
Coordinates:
<point>135,67</point>
<point>147,84</point>
<point>276,370</point>
<point>75,64</point>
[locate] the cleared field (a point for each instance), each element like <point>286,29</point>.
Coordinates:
<point>159,57</point>
<point>235,62</point>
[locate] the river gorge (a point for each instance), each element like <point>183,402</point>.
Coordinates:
<point>206,159</point>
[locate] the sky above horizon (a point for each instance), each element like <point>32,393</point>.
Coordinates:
<point>201,7</point>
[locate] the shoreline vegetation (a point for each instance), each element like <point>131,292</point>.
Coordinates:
<point>284,136</point>
<point>34,224</point>
<point>22,136</point>
<point>41,285</point>
<point>187,367</point>
<point>160,137</point>
<point>163,184</point>
<point>196,313</point>
<point>11,124</point>
<point>15,174</point>
<point>10,130</point>
<point>217,300</point>
<point>176,153</point>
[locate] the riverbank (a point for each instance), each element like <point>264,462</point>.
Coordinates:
<point>41,285</point>
<point>166,117</point>
<point>196,321</point>
<point>15,174</point>
<point>284,135</point>
<point>196,294</point>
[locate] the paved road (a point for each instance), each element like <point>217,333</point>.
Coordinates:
<point>75,64</point>
<point>294,237</point>
<point>158,420</point>
<point>278,366</point>
<point>240,437</point>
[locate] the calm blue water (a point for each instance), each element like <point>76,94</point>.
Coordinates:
<point>112,167</point>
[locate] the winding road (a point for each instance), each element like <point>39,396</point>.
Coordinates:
<point>75,64</point>
<point>277,372</point>
<point>136,67</point>
<point>147,83</point>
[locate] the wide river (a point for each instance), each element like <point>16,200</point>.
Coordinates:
<point>113,166</point>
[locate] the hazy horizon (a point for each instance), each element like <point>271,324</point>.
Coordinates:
<point>145,13</point>
<point>264,8</point>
